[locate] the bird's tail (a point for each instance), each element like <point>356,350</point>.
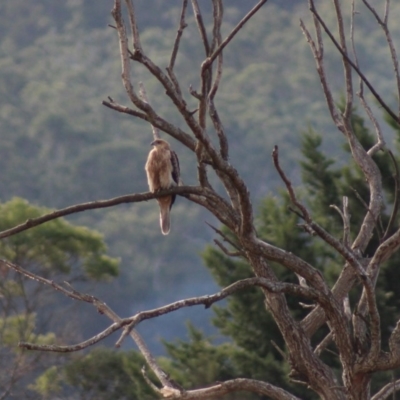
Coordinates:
<point>165,219</point>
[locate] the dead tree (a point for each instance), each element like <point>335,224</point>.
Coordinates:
<point>234,210</point>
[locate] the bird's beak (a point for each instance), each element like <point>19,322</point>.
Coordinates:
<point>153,143</point>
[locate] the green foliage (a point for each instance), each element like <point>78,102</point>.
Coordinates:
<point>21,327</point>
<point>55,246</point>
<point>316,171</point>
<point>48,383</point>
<point>242,306</point>
<point>108,375</point>
<point>57,249</point>
<point>200,362</point>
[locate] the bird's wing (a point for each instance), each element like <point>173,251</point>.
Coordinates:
<point>176,172</point>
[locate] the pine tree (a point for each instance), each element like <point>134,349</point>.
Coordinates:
<point>243,319</point>
<point>254,347</point>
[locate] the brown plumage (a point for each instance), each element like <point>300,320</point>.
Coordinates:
<point>162,168</point>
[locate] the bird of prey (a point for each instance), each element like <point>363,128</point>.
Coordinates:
<point>162,168</point>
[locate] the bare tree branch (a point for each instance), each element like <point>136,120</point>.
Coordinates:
<point>346,66</point>
<point>387,390</point>
<point>223,142</point>
<point>93,205</point>
<point>324,343</point>
<point>157,122</point>
<point>237,28</point>
<point>207,301</point>
<point>226,251</point>
<point>318,53</point>
<point>346,220</point>
<point>293,198</point>
<point>384,24</point>
<point>143,95</point>
<point>337,245</point>
<point>395,210</point>
<point>174,53</point>
<point>351,63</point>
<point>237,385</point>
<point>68,349</point>
<point>123,40</point>
<point>381,141</point>
<point>201,27</point>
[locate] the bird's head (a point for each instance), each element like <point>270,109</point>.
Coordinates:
<point>160,144</point>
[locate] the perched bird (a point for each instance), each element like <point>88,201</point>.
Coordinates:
<point>162,168</point>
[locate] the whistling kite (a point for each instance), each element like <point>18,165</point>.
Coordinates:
<point>162,168</point>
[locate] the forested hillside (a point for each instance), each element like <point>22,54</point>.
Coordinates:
<point>60,146</point>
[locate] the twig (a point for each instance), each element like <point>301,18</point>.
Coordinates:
<point>126,110</point>
<point>323,344</point>
<point>226,251</point>
<point>218,11</point>
<point>80,346</point>
<point>395,210</point>
<point>279,350</point>
<point>384,24</point>
<point>375,323</point>
<point>307,306</point>
<point>202,176</point>
<point>205,85</point>
<point>346,67</point>
<point>235,30</point>
<point>195,94</point>
<point>347,253</point>
<point>318,53</point>
<point>223,142</point>
<point>149,382</point>
<point>150,359</point>
<point>347,308</point>
<point>170,68</point>
<point>387,390</point>
<point>288,184</point>
<point>125,64</point>
<point>381,142</point>
<point>361,200</point>
<point>143,95</point>
<point>377,222</point>
<point>351,63</point>
<point>135,31</point>
<point>200,25</point>
<point>157,122</point>
<point>182,26</point>
<point>225,237</point>
<point>345,218</point>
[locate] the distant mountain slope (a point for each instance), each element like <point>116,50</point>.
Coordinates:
<point>60,146</point>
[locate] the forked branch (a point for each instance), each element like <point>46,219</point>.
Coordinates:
<point>352,64</point>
